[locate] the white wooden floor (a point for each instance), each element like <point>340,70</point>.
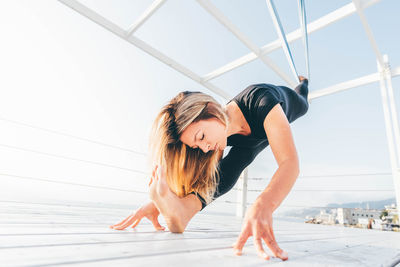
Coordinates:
<point>50,235</point>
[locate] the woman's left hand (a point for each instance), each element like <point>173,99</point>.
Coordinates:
<point>258,223</point>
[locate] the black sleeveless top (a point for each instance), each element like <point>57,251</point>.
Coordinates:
<point>255,102</point>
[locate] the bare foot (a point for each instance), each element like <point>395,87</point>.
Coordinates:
<point>172,207</point>
<point>302,78</point>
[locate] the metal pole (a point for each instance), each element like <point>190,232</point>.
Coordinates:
<point>388,77</point>
<point>242,194</point>
<point>357,5</point>
<point>389,135</point>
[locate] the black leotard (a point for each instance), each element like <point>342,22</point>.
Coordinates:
<point>255,102</point>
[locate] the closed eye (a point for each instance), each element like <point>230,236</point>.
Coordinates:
<point>202,138</point>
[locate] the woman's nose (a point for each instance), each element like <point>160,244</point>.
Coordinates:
<point>206,148</point>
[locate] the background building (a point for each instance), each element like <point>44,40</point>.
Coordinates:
<point>353,215</point>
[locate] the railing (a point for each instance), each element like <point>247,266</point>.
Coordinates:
<point>242,188</point>
<point>383,76</point>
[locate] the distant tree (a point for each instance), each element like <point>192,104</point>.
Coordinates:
<point>384,213</point>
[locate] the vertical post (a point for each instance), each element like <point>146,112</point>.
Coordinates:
<point>388,77</point>
<point>385,77</point>
<point>242,194</point>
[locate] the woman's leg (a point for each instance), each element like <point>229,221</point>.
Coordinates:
<point>302,92</point>
<point>176,211</point>
<point>302,88</point>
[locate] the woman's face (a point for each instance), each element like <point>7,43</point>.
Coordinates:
<point>207,135</point>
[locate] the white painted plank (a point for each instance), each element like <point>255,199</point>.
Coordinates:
<point>88,241</point>
<point>197,253</point>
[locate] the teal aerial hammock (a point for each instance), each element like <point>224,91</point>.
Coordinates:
<point>282,36</point>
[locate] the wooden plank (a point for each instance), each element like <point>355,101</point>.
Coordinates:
<point>174,244</point>
<point>198,256</point>
<point>81,236</point>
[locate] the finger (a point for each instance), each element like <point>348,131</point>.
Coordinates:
<point>131,219</point>
<point>157,225</point>
<point>121,222</point>
<point>136,223</point>
<point>154,171</point>
<point>273,246</point>
<point>271,232</point>
<point>241,241</point>
<point>259,247</point>
<point>151,180</point>
<point>258,232</point>
<point>282,254</point>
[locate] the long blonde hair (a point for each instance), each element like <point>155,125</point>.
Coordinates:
<point>187,169</point>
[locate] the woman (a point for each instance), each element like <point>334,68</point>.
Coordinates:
<point>187,143</point>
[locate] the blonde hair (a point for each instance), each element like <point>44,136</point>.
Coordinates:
<point>187,169</point>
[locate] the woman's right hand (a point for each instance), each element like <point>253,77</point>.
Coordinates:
<point>148,210</point>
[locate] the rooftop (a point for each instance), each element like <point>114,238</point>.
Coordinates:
<point>36,234</point>
<point>75,115</point>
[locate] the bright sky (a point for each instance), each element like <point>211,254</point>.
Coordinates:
<point>61,71</point>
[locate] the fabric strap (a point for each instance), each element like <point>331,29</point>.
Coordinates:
<point>303,23</point>
<point>282,36</point>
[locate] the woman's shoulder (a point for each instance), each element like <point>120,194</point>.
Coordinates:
<point>255,102</point>
<point>253,95</point>
<point>254,91</point>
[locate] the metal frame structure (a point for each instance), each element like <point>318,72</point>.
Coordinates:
<point>383,76</point>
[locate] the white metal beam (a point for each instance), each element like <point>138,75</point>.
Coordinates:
<point>393,110</point>
<point>357,5</point>
<point>316,25</point>
<point>242,193</point>
<point>389,122</point>
<point>145,16</point>
<point>107,24</point>
<point>218,15</point>
<point>371,78</point>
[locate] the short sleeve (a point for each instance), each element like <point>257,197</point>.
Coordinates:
<point>266,101</point>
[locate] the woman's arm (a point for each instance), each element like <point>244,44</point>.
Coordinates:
<point>258,219</point>
<point>282,145</point>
